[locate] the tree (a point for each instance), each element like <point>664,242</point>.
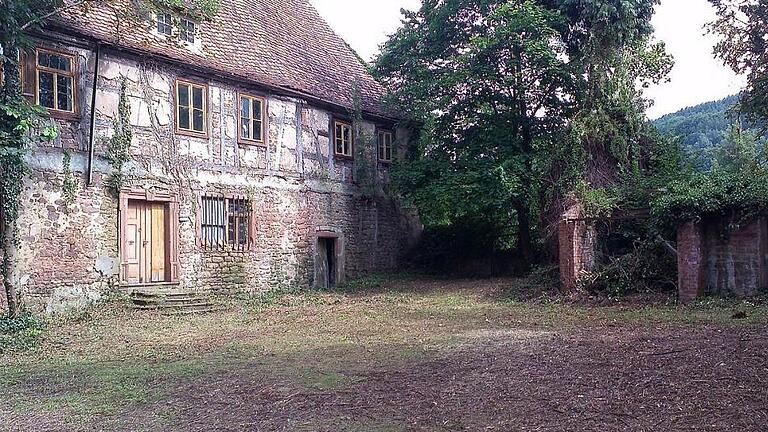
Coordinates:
<point>18,121</point>
<point>502,87</point>
<point>743,28</point>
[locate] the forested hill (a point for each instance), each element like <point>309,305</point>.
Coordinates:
<point>703,126</point>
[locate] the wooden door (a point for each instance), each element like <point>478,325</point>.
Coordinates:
<point>132,242</point>
<point>145,245</point>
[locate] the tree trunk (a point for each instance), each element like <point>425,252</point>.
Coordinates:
<point>10,270</point>
<point>10,186</point>
<point>524,243</point>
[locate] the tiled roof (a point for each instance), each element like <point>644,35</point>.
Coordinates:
<point>277,43</point>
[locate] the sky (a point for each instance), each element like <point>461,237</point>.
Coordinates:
<point>697,76</point>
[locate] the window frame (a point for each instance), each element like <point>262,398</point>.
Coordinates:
<point>226,245</point>
<point>169,24</point>
<point>351,155</point>
<point>191,132</point>
<point>182,29</point>
<point>379,134</point>
<point>73,73</point>
<point>264,124</point>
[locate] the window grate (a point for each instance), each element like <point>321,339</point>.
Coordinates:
<point>225,223</point>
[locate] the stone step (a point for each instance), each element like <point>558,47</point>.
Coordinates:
<point>172,301</point>
<point>169,293</point>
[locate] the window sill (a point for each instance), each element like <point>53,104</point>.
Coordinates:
<point>343,157</point>
<point>64,115</point>
<point>192,134</point>
<point>127,286</point>
<point>227,249</point>
<point>244,143</point>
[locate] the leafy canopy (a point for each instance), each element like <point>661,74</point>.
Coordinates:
<point>512,96</point>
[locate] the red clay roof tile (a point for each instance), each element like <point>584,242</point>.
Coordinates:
<point>277,43</point>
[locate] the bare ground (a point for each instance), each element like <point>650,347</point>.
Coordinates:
<point>442,359</point>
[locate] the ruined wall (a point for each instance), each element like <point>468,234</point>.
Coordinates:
<point>297,188</point>
<point>720,260</point>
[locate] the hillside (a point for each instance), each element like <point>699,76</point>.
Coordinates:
<point>701,127</point>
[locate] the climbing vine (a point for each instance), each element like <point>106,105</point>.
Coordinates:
<point>204,9</point>
<point>69,186</point>
<point>364,174</point>
<point>21,126</point>
<point>119,145</point>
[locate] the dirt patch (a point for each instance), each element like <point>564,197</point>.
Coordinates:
<point>410,355</point>
<point>703,379</point>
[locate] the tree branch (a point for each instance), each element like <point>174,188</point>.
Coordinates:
<point>56,11</point>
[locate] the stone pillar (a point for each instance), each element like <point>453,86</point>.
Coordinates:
<point>691,260</point>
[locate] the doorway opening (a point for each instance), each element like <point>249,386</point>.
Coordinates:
<point>327,264</point>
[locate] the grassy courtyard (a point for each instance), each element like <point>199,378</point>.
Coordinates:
<point>403,355</point>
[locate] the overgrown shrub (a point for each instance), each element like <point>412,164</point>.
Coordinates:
<point>631,258</point>
<point>22,333</point>
<point>733,195</point>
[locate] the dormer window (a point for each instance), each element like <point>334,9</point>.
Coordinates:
<point>164,23</point>
<point>187,30</point>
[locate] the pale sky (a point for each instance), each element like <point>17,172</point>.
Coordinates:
<point>697,77</point>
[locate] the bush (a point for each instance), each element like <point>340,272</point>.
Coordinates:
<point>631,258</point>
<point>19,334</point>
<point>736,196</point>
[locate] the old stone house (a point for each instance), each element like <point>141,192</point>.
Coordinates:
<point>259,156</point>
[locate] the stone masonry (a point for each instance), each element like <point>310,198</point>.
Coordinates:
<point>70,253</point>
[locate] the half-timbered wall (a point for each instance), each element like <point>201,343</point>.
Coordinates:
<point>297,188</point>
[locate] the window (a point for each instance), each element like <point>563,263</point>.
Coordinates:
<point>385,146</point>
<point>55,81</point>
<point>343,139</point>
<point>187,30</point>
<point>164,23</point>
<point>225,222</point>
<point>191,107</point>
<point>251,119</point>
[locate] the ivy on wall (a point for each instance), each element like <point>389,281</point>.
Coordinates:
<point>365,174</point>
<point>119,145</point>
<point>69,185</point>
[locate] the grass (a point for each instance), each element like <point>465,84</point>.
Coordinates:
<point>116,360</point>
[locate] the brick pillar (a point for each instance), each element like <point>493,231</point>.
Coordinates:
<point>576,247</point>
<point>568,277</point>
<point>691,259</point>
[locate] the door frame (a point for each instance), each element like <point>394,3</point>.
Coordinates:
<point>171,203</point>
<point>338,248</point>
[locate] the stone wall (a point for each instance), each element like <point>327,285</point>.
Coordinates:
<point>297,188</point>
<point>720,260</point>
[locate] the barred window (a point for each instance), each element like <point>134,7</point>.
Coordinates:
<point>225,222</point>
